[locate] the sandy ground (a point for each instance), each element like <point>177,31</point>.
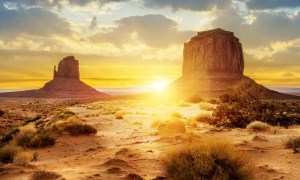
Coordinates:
<point>131,145</point>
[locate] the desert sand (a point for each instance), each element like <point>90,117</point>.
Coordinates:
<point>132,145</point>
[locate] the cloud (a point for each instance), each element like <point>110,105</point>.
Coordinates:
<point>192,5</point>
<point>272,4</point>
<point>58,3</point>
<point>34,21</point>
<point>287,60</point>
<point>153,30</point>
<point>266,28</point>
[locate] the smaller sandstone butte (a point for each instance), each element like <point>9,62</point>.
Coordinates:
<point>67,68</point>
<point>213,63</point>
<point>65,84</point>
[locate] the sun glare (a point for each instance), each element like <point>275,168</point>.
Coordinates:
<point>159,85</point>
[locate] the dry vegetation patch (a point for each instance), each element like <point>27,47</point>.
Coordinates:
<point>170,127</point>
<point>74,126</point>
<point>207,158</point>
<point>204,117</point>
<point>28,137</point>
<point>43,175</point>
<point>207,106</point>
<point>293,142</point>
<point>258,126</point>
<point>8,153</point>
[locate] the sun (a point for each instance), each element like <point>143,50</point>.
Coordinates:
<point>159,85</point>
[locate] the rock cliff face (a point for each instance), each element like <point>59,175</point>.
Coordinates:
<point>213,62</point>
<point>65,84</point>
<point>214,51</point>
<point>67,68</point>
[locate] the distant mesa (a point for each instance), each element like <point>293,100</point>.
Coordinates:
<point>65,84</point>
<point>213,62</point>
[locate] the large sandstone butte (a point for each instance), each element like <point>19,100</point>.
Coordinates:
<point>213,63</point>
<point>65,84</point>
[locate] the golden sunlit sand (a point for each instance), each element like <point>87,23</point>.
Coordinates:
<point>136,143</point>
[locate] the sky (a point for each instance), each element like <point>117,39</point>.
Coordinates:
<point>135,43</point>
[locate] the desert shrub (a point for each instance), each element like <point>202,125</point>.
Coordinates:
<point>293,142</point>
<point>1,113</point>
<point>119,116</point>
<point>238,110</point>
<point>43,140</point>
<point>206,106</point>
<point>258,126</point>
<point>74,126</point>
<point>26,134</point>
<point>67,111</point>
<point>28,137</point>
<point>213,101</point>
<point>39,175</point>
<point>171,127</point>
<point>65,114</point>
<point>76,129</point>
<point>155,123</point>
<point>183,104</point>
<point>207,158</point>
<point>23,158</point>
<point>8,153</point>
<point>194,99</point>
<point>204,117</point>
<point>176,115</point>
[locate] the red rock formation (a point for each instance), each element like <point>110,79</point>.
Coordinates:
<point>67,68</point>
<point>65,84</point>
<point>213,62</point>
<point>213,51</point>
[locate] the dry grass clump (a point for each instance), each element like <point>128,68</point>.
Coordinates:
<point>194,99</point>
<point>119,115</point>
<point>170,127</point>
<point>184,104</point>
<point>176,115</point>
<point>39,175</point>
<point>204,117</point>
<point>207,158</point>
<point>258,126</point>
<point>207,106</point>
<point>42,140</point>
<point>293,142</point>
<point>8,153</point>
<point>28,137</point>
<point>23,158</point>
<point>1,113</point>
<point>74,126</point>
<point>67,111</point>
